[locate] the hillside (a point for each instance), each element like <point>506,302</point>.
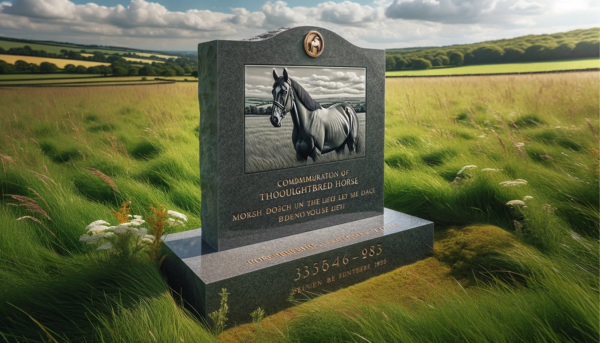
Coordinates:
<point>577,44</point>
<point>34,57</point>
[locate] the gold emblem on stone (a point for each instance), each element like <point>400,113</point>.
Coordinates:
<point>314,44</point>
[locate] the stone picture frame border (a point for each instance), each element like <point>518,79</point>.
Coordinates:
<point>308,165</point>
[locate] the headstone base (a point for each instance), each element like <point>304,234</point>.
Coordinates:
<point>270,274</point>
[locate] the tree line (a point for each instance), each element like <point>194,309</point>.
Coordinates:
<point>116,68</point>
<point>575,44</point>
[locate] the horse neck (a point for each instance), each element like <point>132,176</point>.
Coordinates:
<point>302,114</point>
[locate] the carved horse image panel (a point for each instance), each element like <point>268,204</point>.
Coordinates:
<point>326,129</point>
<point>296,116</point>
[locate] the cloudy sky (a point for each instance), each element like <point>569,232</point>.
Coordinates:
<point>182,24</point>
<point>318,82</point>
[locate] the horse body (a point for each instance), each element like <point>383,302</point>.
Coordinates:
<point>325,129</point>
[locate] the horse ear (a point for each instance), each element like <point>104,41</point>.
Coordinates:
<point>275,77</point>
<point>286,78</point>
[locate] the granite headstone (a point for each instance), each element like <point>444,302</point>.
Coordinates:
<point>291,170</point>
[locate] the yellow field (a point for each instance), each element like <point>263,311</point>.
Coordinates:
<point>149,54</point>
<point>61,63</point>
<point>135,59</point>
<point>132,59</point>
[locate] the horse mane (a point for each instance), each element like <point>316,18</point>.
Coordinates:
<point>304,97</point>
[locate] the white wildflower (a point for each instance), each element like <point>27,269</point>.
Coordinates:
<point>84,238</point>
<point>149,237</point>
<point>147,240</point>
<point>517,182</point>
<point>136,222</point>
<point>575,236</point>
<point>172,222</point>
<point>515,203</point>
<point>142,232</point>
<point>108,234</point>
<point>464,168</point>
<point>99,229</point>
<point>519,144</point>
<point>564,154</point>
<point>178,215</point>
<point>129,216</point>
<point>121,229</point>
<point>527,197</point>
<point>137,217</point>
<point>105,246</point>
<point>492,170</point>
<point>96,223</point>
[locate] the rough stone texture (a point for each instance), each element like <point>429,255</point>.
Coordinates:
<point>226,189</point>
<point>207,96</point>
<point>198,273</point>
<point>266,35</point>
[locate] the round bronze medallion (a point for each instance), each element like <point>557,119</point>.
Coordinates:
<point>314,44</point>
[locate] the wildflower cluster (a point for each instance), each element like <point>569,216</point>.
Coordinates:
<point>112,236</point>
<point>129,236</point>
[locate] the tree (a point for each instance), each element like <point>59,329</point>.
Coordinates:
<point>93,70</point>
<point>195,73</point>
<point>104,70</point>
<point>536,52</point>
<point>489,54</point>
<point>147,70</point>
<point>390,63</point>
<point>6,68</point>
<point>2,51</point>
<point>586,49</point>
<point>118,71</point>
<point>168,72</point>
<point>187,69</point>
<point>456,58</point>
<point>400,62</point>
<point>436,62</point>
<point>179,71</point>
<point>445,60</point>
<point>98,57</point>
<point>261,110</point>
<point>21,65</point>
<point>132,72</point>
<point>70,68</point>
<point>512,55</point>
<point>420,64</point>
<point>563,51</point>
<point>47,67</point>
<point>81,69</point>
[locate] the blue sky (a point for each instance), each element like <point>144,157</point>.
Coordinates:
<point>181,25</point>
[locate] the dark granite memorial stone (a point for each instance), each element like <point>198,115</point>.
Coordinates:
<point>291,170</point>
<point>256,184</point>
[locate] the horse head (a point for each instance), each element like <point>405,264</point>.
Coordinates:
<point>282,97</point>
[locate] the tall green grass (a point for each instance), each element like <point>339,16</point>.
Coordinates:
<point>144,139</point>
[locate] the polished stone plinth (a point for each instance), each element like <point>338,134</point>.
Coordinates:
<point>269,274</point>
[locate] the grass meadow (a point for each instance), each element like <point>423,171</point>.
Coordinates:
<point>271,148</point>
<point>499,273</point>
<point>529,67</point>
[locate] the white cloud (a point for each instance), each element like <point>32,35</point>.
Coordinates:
<point>384,24</point>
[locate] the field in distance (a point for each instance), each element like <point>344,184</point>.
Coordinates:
<point>34,77</point>
<point>60,62</point>
<point>75,78</point>
<point>56,48</point>
<point>134,59</point>
<point>502,68</point>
